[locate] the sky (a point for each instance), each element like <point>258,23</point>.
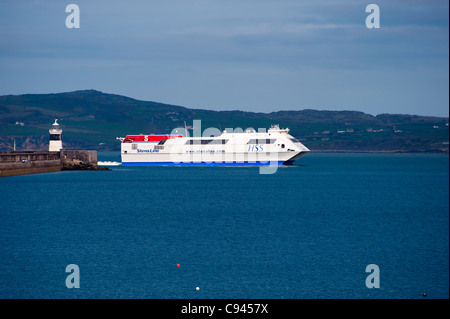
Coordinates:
<point>250,55</point>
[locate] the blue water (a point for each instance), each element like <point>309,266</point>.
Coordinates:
<point>307,231</point>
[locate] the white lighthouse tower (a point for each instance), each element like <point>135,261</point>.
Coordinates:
<point>55,144</point>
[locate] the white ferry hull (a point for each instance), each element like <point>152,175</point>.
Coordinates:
<point>231,159</point>
<point>274,147</point>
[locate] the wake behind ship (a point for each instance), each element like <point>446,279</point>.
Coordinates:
<point>274,147</point>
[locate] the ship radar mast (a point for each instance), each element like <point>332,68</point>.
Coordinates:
<point>276,128</point>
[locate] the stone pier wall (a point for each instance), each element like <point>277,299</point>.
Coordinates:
<point>30,162</point>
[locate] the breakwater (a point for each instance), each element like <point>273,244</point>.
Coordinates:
<point>32,162</point>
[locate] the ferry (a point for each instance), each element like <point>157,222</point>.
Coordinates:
<point>272,147</point>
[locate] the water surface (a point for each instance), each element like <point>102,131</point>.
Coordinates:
<point>308,231</point>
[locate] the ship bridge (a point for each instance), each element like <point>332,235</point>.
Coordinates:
<point>276,129</point>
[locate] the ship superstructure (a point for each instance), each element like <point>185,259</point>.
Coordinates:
<point>275,146</point>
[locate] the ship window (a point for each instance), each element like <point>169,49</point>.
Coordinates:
<point>219,142</point>
<point>159,147</point>
<point>294,140</point>
<point>261,141</point>
<point>134,146</point>
<point>55,137</point>
<point>198,142</point>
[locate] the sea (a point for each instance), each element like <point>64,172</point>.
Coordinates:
<point>332,226</point>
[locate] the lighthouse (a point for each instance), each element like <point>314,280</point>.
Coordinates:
<point>55,144</point>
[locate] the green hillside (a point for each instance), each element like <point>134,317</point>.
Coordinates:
<point>92,120</point>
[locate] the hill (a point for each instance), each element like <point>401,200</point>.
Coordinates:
<point>92,120</point>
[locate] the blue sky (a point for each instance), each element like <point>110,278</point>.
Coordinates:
<point>252,55</point>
